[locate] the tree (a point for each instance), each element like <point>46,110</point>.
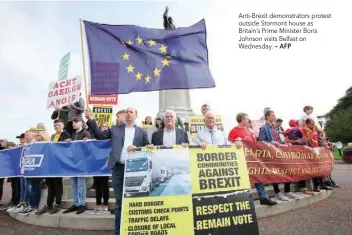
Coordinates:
<point>339,119</point>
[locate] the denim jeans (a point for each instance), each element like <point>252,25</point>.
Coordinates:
<point>24,190</point>
<point>261,191</point>
<point>79,191</point>
<point>34,191</point>
<point>117,183</point>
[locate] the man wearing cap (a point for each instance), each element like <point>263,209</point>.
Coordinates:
<point>78,183</point>
<point>125,138</point>
<point>55,187</point>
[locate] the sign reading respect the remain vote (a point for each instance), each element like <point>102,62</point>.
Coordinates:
<point>64,92</point>
<point>188,192</point>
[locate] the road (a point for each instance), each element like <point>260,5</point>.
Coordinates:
<point>177,185</point>
<point>330,217</point>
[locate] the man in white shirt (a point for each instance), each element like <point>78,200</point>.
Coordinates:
<point>209,135</point>
<point>308,110</point>
<point>125,138</point>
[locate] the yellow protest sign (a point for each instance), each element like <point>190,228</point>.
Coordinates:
<point>218,169</point>
<point>197,123</point>
<point>103,114</point>
<point>187,191</point>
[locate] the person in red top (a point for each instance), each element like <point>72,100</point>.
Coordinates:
<point>311,135</point>
<point>241,131</point>
<point>236,136</point>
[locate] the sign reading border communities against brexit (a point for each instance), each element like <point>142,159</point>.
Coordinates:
<point>65,92</point>
<point>197,124</point>
<point>63,70</point>
<point>187,191</point>
<point>103,114</point>
<point>269,164</point>
<point>129,58</point>
<point>102,99</point>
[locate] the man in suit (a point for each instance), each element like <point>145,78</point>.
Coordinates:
<point>55,188</point>
<point>125,138</point>
<point>170,135</point>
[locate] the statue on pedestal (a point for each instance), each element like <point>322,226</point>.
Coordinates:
<point>178,99</point>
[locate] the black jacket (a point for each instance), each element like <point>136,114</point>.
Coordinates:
<point>64,136</point>
<point>181,137</point>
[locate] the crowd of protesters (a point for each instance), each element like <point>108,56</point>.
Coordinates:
<point>168,130</point>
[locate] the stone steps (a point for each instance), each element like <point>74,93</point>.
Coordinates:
<point>91,203</point>
<point>105,221</point>
<point>91,193</point>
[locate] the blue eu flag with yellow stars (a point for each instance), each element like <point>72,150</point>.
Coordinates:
<point>128,58</point>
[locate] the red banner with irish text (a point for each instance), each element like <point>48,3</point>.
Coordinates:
<point>267,163</point>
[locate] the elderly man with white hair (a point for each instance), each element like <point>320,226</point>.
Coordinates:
<point>210,135</point>
<point>170,135</point>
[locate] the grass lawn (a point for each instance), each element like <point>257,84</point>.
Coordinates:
<point>336,154</point>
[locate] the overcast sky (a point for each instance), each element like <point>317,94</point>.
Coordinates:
<point>35,35</point>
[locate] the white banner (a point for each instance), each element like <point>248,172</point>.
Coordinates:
<point>64,92</point>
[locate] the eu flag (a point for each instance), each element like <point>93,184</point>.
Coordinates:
<point>128,58</point>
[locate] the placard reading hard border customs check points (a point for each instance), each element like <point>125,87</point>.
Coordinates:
<point>176,191</point>
<point>197,123</point>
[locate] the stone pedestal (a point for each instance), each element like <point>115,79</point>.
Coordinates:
<point>179,99</point>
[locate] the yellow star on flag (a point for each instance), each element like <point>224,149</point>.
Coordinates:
<point>130,42</point>
<point>156,72</point>
<point>126,56</point>
<point>139,40</point>
<point>130,68</point>
<point>147,79</point>
<point>138,76</point>
<point>151,42</point>
<point>163,49</point>
<point>165,62</point>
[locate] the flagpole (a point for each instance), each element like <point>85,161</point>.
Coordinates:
<point>84,64</point>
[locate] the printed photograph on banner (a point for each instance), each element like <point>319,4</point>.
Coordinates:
<point>224,214</point>
<point>197,123</point>
<point>172,215</point>
<point>218,169</point>
<point>158,173</point>
<point>103,115</point>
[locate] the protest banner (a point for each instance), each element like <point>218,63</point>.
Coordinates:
<point>269,164</point>
<point>10,162</point>
<point>65,159</point>
<point>103,114</point>
<point>265,163</point>
<point>256,125</point>
<point>65,92</point>
<point>187,191</point>
<point>103,99</point>
<point>197,123</point>
<point>63,69</point>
